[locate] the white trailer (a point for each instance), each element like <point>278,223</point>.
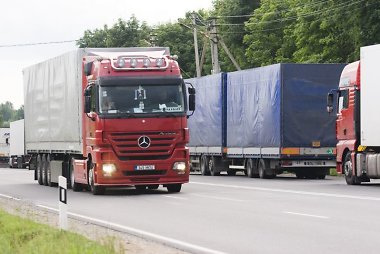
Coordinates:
<point>4,144</point>
<point>18,157</point>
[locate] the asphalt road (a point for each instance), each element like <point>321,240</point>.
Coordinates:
<point>229,214</point>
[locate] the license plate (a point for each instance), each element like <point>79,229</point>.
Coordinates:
<point>145,167</point>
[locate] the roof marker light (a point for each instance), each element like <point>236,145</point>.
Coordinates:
<point>159,62</point>
<point>133,62</point>
<point>121,62</point>
<point>146,62</point>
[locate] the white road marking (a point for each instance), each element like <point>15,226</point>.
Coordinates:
<point>307,215</point>
<point>219,198</point>
<point>322,194</point>
<point>143,234</point>
<point>173,197</point>
<point>10,197</point>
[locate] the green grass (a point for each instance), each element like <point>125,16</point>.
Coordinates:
<point>19,235</point>
<point>333,172</point>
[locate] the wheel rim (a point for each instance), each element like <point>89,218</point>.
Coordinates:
<point>211,165</point>
<point>348,168</point>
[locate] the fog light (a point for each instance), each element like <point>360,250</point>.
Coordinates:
<point>108,169</point>
<point>180,167</point>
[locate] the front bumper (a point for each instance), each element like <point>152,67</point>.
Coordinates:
<point>126,172</point>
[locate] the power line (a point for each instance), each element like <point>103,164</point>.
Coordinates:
<point>36,43</point>
<point>272,12</point>
<point>328,17</point>
<point>301,15</point>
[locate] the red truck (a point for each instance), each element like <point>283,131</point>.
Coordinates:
<point>357,122</point>
<point>107,118</point>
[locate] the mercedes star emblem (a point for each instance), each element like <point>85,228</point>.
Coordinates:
<point>143,142</point>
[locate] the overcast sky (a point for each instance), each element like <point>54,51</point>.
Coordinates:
<point>34,21</point>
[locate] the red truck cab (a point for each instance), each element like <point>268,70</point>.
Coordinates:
<point>134,122</point>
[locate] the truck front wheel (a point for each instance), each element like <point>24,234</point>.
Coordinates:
<point>351,179</point>
<point>96,190</point>
<point>174,187</point>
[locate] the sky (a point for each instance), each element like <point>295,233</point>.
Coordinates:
<point>37,21</point>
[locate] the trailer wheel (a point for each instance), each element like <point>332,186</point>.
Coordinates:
<point>44,170</point>
<point>96,190</point>
<point>262,169</point>
<point>351,179</point>
<point>251,169</point>
<point>204,165</point>
<point>74,185</point>
<point>174,187</point>
<point>211,167</point>
<point>48,172</point>
<point>39,170</point>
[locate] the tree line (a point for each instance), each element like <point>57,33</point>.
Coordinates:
<point>257,32</point>
<point>9,114</point>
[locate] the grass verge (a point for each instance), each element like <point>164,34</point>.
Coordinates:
<point>18,235</point>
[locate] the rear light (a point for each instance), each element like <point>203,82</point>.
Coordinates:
<point>286,163</point>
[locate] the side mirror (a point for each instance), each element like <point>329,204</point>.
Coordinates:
<point>88,68</point>
<point>191,102</point>
<point>87,104</point>
<point>191,90</point>
<point>330,101</point>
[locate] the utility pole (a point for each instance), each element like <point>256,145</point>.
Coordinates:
<point>196,45</point>
<point>214,47</point>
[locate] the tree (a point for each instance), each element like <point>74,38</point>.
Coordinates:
<point>270,33</point>
<point>9,114</point>
<point>122,34</point>
<point>231,16</point>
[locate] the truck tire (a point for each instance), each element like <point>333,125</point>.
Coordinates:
<point>262,169</point>
<point>251,169</point>
<point>48,172</point>
<point>204,165</point>
<point>211,167</point>
<point>95,190</point>
<point>174,187</point>
<point>74,185</point>
<point>39,170</point>
<point>44,170</point>
<point>351,179</point>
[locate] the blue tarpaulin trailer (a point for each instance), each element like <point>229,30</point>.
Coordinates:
<point>264,121</point>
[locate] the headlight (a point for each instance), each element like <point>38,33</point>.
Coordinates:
<point>180,167</point>
<point>108,169</point>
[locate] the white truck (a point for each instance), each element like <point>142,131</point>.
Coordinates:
<point>4,144</point>
<point>17,156</point>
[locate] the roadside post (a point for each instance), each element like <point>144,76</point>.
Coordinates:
<point>62,202</point>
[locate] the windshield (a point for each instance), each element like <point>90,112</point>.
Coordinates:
<point>141,99</point>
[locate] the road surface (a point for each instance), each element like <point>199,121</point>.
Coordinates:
<point>229,214</point>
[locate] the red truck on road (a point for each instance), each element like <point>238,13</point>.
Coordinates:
<point>357,123</point>
<point>108,117</point>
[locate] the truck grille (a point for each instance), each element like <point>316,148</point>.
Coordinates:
<point>126,145</point>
